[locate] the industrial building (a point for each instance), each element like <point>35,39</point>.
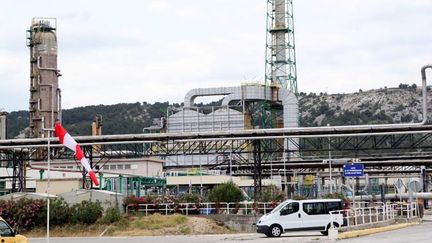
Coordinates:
<point>272,104</point>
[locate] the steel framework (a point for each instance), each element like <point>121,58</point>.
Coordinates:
<point>383,150</point>
<point>280,68</point>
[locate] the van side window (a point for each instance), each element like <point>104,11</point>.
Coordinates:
<point>290,208</point>
<point>5,230</point>
<point>333,206</point>
<point>314,208</point>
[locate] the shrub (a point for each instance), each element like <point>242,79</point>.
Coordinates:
<point>190,198</point>
<point>59,213</point>
<point>27,212</point>
<point>226,192</point>
<point>336,195</point>
<point>86,212</point>
<point>271,194</point>
<point>22,214</point>
<point>111,215</point>
<point>299,197</point>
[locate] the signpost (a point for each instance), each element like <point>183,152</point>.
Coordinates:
<point>353,170</point>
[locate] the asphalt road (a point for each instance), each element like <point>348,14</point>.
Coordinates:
<point>421,233</point>
<point>300,237</point>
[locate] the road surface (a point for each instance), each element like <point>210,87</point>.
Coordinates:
<point>421,233</point>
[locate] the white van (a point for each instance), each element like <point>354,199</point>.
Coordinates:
<point>293,215</point>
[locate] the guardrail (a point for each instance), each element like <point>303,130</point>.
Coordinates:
<point>242,208</point>
<point>375,214</point>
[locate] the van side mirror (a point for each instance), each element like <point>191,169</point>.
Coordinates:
<point>283,212</point>
<point>14,231</point>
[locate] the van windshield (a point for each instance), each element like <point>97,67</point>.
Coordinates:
<point>277,209</point>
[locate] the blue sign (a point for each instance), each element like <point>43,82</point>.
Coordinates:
<point>353,170</point>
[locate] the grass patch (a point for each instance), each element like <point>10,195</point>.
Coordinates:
<point>185,230</point>
<point>157,221</point>
<point>68,230</point>
<point>139,225</point>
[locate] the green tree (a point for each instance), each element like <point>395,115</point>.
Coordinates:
<point>226,192</point>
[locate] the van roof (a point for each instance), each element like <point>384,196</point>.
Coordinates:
<point>315,200</point>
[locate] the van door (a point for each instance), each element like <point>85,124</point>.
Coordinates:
<point>289,217</point>
<point>6,233</point>
<point>315,216</point>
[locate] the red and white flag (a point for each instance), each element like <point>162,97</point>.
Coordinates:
<point>70,143</point>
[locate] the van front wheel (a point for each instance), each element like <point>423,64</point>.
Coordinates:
<point>275,231</point>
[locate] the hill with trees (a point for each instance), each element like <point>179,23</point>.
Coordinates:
<point>385,105</point>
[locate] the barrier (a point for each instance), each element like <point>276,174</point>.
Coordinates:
<point>358,216</point>
<point>242,208</point>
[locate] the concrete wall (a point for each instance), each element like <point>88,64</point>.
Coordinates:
<point>58,186</point>
<point>106,198</point>
<point>240,223</point>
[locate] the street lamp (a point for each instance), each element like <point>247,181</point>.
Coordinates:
<point>330,164</point>
<point>49,130</point>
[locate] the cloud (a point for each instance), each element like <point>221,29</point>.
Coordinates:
<point>156,50</point>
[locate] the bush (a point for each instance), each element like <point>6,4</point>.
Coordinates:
<point>86,212</point>
<point>271,194</point>
<point>226,192</point>
<point>22,214</point>
<point>111,215</point>
<point>190,198</point>
<point>299,197</point>
<point>336,195</point>
<point>59,213</point>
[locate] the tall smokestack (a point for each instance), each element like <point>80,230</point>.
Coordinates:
<point>44,88</point>
<point>3,124</point>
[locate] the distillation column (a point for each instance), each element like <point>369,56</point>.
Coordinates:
<point>44,88</point>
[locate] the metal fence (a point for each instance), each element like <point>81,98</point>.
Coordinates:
<point>361,213</point>
<point>242,208</point>
<point>380,212</point>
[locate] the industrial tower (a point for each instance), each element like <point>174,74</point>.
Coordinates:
<point>280,68</point>
<point>44,88</point>
<point>3,124</point>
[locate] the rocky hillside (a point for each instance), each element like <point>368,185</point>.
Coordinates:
<point>386,105</point>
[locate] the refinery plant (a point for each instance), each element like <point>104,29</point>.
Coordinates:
<point>252,137</point>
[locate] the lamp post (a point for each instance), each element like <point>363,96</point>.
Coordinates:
<point>49,130</point>
<point>330,164</point>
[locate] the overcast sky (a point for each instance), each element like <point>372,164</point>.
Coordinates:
<point>157,50</point>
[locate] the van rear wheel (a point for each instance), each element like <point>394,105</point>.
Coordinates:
<point>275,231</point>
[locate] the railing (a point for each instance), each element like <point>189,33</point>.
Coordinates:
<point>375,214</point>
<point>407,210</point>
<point>242,208</point>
